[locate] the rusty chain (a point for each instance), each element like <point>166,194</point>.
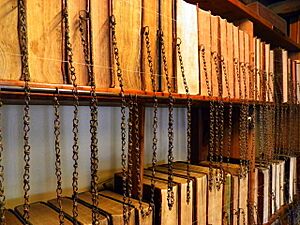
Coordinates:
<point>2,193</point>
<point>189,119</point>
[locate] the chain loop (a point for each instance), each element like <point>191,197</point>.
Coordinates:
<point>171,198</point>
<point>189,119</point>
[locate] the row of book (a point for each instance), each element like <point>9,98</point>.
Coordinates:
<point>219,59</point>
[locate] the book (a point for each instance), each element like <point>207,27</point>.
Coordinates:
<point>185,210</point>
<point>263,194</point>
<point>285,78</point>
<point>84,212</point>
<point>215,196</point>
<point>249,91</point>
<point>113,208</point>
<point>167,16</point>
<point>236,62</point>
<point>100,27</point>
<point>216,76</point>
<point>281,74</point>
<point>271,76</point>
<point>230,50</point>
<point>257,68</point>
<point>45,41</point>
<point>10,60</point>
<point>128,14</point>
<point>242,64</point>
<point>200,193</point>
<point>187,31</point>
<point>263,84</point>
<point>41,214</point>
<point>204,27</point>
<point>141,220</point>
<point>224,55</point>
<point>267,71</point>
<point>150,18</point>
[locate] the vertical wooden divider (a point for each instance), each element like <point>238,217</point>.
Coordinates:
<point>135,167</point>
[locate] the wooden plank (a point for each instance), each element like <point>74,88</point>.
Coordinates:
<point>10,61</point>
<point>128,14</point>
<point>230,50</point>
<point>215,50</point>
<point>204,26</point>
<point>45,41</point>
<point>101,46</point>
<point>167,26</point>
<point>187,31</point>
<point>11,218</point>
<point>150,18</point>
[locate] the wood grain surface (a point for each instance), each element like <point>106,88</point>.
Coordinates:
<point>128,15</point>
<point>10,61</point>
<point>45,40</point>
<point>11,218</point>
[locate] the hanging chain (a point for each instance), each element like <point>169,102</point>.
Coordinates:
<point>57,149</point>
<point>154,127</point>
<point>126,212</point>
<point>170,124</point>
<point>23,39</point>
<point>211,120</point>
<point>85,17</point>
<point>189,120</point>
<point>2,194</point>
<point>229,109</point>
<point>75,122</point>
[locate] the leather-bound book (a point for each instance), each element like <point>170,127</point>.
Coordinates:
<point>230,67</point>
<point>281,182</point>
<point>271,76</point>
<point>236,58</point>
<point>84,212</point>
<point>185,209</point>
<point>263,90</point>
<point>41,214</point>
<point>199,193</point>
<point>204,26</point>
<point>110,207</point>
<point>273,176</point>
<point>215,196</point>
<point>258,67</point>
<point>263,194</point>
<point>140,219</point>
<point>267,71</point>
<point>187,31</point>
<point>247,63</point>
<point>224,54</point>
<point>242,61</point>
<point>285,78</point>
<point>128,33</point>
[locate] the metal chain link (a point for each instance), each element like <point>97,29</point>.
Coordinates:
<point>75,121</point>
<point>189,120</point>
<point>126,212</point>
<point>2,193</point>
<point>171,198</point>
<point>58,171</point>
<point>154,127</point>
<point>87,43</point>
<point>211,120</point>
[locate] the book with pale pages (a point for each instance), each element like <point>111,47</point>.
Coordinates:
<point>224,55</point>
<point>298,80</point>
<point>230,50</point>
<point>200,193</point>
<point>100,39</point>
<point>267,71</point>
<point>255,194</point>
<point>242,62</point>
<point>204,26</point>
<point>45,41</point>
<point>285,77</point>
<point>271,76</point>
<point>247,64</point>
<point>41,214</point>
<point>111,207</point>
<point>150,18</point>
<point>10,60</point>
<point>215,196</point>
<point>185,210</point>
<point>215,52</point>
<point>141,220</point>
<point>129,15</point>
<point>281,182</point>
<point>237,84</point>
<point>84,212</point>
<point>257,68</point>
<point>187,31</point>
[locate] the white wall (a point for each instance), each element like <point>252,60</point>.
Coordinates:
<point>42,178</point>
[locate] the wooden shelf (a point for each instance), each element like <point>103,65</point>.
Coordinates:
<point>234,10</point>
<point>12,92</point>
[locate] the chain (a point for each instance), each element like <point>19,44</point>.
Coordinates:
<point>57,149</point>
<point>126,212</point>
<point>2,194</point>
<point>75,147</point>
<point>170,124</point>
<point>154,126</point>
<point>85,17</point>
<point>211,120</point>
<point>189,119</point>
<point>245,107</point>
